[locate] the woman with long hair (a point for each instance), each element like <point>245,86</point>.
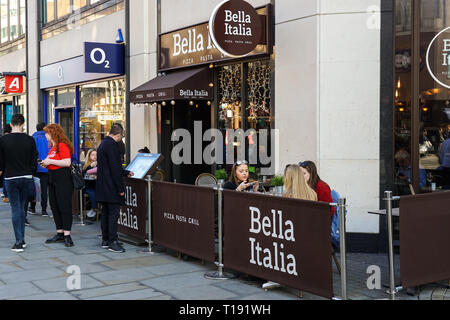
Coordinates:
<point>239,178</point>
<point>90,164</point>
<point>322,189</point>
<point>296,185</point>
<point>61,188</point>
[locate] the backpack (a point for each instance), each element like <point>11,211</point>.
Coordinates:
<point>335,223</point>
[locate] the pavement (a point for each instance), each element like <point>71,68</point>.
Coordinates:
<point>50,272</point>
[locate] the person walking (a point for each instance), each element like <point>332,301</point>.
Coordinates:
<point>6,131</point>
<point>61,187</point>
<point>18,161</point>
<point>43,148</point>
<point>110,188</point>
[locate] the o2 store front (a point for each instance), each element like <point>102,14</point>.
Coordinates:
<point>86,104</point>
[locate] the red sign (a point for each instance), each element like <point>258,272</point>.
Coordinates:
<point>13,84</point>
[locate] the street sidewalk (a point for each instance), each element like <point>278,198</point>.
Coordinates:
<point>40,273</point>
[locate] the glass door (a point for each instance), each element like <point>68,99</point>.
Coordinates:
<point>65,118</point>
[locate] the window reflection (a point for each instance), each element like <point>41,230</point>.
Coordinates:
<point>63,8</point>
<point>102,105</point>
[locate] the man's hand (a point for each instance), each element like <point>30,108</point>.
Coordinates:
<point>131,174</point>
<point>122,194</point>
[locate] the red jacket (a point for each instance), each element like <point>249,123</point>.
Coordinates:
<point>324,194</point>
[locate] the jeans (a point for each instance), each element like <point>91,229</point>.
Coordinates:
<point>109,221</point>
<point>91,194</point>
<point>18,194</point>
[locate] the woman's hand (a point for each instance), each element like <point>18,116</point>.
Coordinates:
<point>94,164</point>
<point>47,162</point>
<point>244,185</point>
<point>256,186</point>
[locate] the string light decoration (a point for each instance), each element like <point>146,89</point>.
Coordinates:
<point>259,92</point>
<point>229,90</point>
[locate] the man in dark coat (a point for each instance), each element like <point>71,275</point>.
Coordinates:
<point>110,188</point>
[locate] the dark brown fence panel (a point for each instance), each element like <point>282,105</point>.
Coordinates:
<point>282,240</point>
<point>183,219</point>
<point>133,216</point>
<point>424,238</point>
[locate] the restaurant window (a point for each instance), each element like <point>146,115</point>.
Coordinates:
<point>245,106</point>
<point>101,105</point>
<point>422,124</point>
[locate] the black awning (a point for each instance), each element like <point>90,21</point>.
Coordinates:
<point>192,84</point>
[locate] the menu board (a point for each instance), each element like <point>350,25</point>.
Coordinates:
<point>144,164</point>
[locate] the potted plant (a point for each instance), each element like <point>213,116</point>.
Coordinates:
<point>221,175</point>
<point>278,183</point>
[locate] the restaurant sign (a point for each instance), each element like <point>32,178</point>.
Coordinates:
<point>194,45</point>
<point>438,58</point>
<point>235,28</point>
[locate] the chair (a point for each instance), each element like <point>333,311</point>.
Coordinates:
<point>206,179</point>
<point>159,175</point>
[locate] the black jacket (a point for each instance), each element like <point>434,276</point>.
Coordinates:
<point>110,173</point>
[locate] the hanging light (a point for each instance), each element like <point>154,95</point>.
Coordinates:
<point>172,102</point>
<point>164,103</point>
<point>399,83</point>
<point>191,103</point>
<point>209,103</point>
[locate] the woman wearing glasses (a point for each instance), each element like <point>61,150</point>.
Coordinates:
<point>322,189</point>
<point>239,178</point>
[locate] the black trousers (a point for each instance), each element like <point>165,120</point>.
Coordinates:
<point>109,221</point>
<point>60,187</point>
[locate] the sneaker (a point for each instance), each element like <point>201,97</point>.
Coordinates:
<point>91,214</point>
<point>44,214</point>
<point>6,200</point>
<point>17,248</point>
<point>270,285</point>
<point>27,223</point>
<point>105,244</point>
<point>68,241</point>
<point>32,211</point>
<point>24,245</point>
<point>116,247</point>
<point>59,238</point>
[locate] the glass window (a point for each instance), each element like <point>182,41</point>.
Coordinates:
<point>50,10</point>
<point>78,4</point>
<point>63,8</point>
<point>66,97</point>
<point>101,105</point>
<point>13,19</point>
<point>23,18</point>
<point>4,31</point>
<point>434,108</point>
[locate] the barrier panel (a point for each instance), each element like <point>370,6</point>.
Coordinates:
<point>133,215</point>
<point>183,219</point>
<point>424,238</point>
<point>287,241</point>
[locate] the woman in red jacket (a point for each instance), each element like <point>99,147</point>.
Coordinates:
<point>322,189</point>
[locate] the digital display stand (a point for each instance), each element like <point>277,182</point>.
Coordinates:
<point>144,164</point>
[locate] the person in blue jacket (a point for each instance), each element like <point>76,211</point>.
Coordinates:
<point>43,148</point>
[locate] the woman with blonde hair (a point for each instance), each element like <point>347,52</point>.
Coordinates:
<point>89,166</point>
<point>296,185</point>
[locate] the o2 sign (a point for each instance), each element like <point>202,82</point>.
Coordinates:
<point>104,58</point>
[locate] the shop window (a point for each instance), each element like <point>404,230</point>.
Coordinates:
<point>49,8</point>
<point>13,19</point>
<point>102,104</point>
<point>12,25</point>
<point>4,26</point>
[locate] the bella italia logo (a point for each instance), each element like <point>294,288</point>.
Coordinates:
<point>438,58</point>
<point>235,28</point>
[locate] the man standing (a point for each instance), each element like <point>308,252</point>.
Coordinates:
<point>43,148</point>
<point>110,188</point>
<point>445,162</point>
<point>18,161</point>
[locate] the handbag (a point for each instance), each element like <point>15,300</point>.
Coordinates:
<point>77,177</point>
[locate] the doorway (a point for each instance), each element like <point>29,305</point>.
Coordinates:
<point>65,118</point>
<point>183,115</point>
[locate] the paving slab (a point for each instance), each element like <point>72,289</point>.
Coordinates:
<point>137,262</point>
<point>78,259</point>
<point>31,275</point>
<point>205,292</point>
<point>60,284</point>
<point>53,296</point>
<point>131,296</point>
<point>18,290</point>
<point>123,276</point>
<point>38,264</point>
<point>184,280</point>
<point>108,290</point>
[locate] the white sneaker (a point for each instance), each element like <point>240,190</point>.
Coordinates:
<point>91,214</point>
<point>270,285</point>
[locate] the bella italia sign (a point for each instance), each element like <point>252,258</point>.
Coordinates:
<point>438,58</point>
<point>235,28</point>
<point>239,30</point>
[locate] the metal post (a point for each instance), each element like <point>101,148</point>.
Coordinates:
<point>82,222</point>
<point>342,204</point>
<point>149,210</point>
<point>392,289</point>
<point>219,275</point>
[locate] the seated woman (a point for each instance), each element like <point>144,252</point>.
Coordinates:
<point>91,163</point>
<point>239,178</point>
<point>322,189</point>
<point>296,188</point>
